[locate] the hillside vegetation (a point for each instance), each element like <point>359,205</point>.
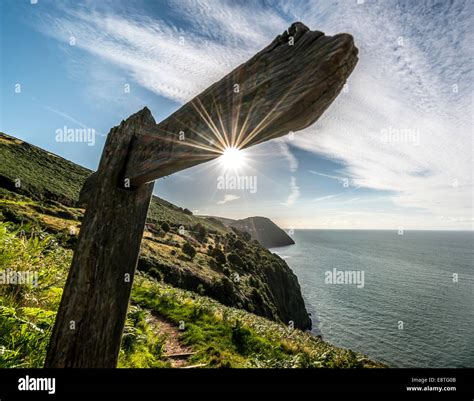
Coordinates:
<point>194,253</point>
<point>206,295</point>
<point>213,334</point>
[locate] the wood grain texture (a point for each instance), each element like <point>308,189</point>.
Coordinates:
<point>97,291</point>
<point>285,87</point>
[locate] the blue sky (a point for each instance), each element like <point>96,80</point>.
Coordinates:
<point>394,150</point>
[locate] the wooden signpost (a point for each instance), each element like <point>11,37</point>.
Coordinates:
<point>285,87</point>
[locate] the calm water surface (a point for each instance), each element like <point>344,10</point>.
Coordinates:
<point>408,278</point>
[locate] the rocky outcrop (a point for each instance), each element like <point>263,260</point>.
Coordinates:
<point>266,286</point>
<point>262,229</point>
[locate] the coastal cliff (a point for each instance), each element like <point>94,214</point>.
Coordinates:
<point>190,252</point>
<point>262,229</point>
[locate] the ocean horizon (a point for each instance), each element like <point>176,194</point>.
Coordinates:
<point>403,299</point>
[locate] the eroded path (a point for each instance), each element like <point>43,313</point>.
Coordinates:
<point>177,353</point>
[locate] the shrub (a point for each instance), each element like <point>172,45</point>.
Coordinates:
<point>25,324</point>
<point>235,259</point>
<point>24,342</point>
<point>66,214</point>
<point>189,250</point>
<point>246,236</point>
<point>226,287</point>
<point>165,227</point>
<point>239,245</point>
<point>249,265</point>
<point>257,296</point>
<point>214,265</point>
<point>216,358</point>
<point>219,255</point>
<point>240,337</point>
<point>155,273</point>
<point>201,232</point>
<point>13,216</point>
<point>253,282</point>
<point>200,289</point>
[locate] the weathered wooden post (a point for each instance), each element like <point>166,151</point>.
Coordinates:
<point>285,87</point>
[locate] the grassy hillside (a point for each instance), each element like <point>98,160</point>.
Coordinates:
<point>209,333</point>
<point>32,171</point>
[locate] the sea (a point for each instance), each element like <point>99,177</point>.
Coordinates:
<point>414,306</point>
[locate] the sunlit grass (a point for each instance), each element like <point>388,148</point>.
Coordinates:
<point>222,336</point>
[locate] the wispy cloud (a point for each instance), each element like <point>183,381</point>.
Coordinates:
<point>290,157</point>
<point>294,193</point>
<point>323,198</point>
<point>170,61</point>
<point>331,176</point>
<point>415,78</point>
<point>228,198</point>
<point>68,117</point>
<point>414,75</point>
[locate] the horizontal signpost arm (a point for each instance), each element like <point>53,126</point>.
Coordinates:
<point>285,87</point>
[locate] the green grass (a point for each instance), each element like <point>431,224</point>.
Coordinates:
<point>40,174</point>
<point>221,336</point>
<point>141,346</point>
<point>27,311</point>
<point>230,337</point>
